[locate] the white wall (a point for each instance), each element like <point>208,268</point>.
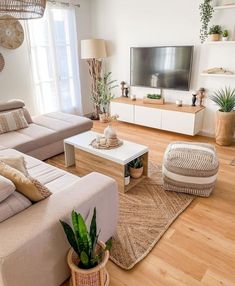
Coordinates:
<point>128,23</point>
<point>16,81</point>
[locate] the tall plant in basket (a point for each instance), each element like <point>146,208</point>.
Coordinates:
<point>105,87</point>
<point>88,256</point>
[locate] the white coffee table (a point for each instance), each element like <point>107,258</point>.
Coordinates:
<point>112,162</point>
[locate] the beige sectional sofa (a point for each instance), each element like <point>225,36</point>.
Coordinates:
<point>45,134</point>
<point>33,246</point>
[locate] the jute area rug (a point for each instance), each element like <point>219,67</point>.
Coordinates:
<point>145,213</point>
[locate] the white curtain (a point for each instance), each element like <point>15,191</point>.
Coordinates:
<point>54,56</point>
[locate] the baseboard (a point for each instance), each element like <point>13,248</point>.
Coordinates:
<point>211,135</point>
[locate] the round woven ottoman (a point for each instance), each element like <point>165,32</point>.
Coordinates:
<point>190,168</point>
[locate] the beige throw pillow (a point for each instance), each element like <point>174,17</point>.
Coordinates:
<point>26,185</point>
<point>16,162</point>
<point>11,121</point>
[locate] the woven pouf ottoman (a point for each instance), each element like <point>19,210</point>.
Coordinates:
<point>190,168</point>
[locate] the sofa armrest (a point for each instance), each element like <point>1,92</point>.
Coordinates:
<point>34,239</point>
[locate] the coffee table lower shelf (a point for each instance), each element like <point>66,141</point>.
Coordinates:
<point>87,162</point>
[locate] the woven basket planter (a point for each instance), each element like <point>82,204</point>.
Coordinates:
<point>136,173</point>
<point>97,276</point>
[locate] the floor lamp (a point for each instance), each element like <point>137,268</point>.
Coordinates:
<point>94,50</point>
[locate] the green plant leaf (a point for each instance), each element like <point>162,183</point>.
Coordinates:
<point>70,236</point>
<point>109,244</point>
<point>93,229</point>
<point>84,259</point>
<point>85,237</point>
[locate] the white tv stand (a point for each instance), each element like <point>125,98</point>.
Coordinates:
<point>185,120</point>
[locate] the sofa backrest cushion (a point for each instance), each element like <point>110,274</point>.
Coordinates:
<point>6,188</point>
<point>26,185</point>
<point>12,120</point>
<point>14,204</point>
<point>15,104</point>
<point>11,104</point>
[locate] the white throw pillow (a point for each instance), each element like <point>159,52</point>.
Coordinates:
<point>14,204</point>
<point>6,188</point>
<point>12,121</point>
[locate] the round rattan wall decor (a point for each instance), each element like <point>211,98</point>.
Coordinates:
<point>11,33</point>
<point>2,62</point>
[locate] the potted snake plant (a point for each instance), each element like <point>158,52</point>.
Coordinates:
<point>88,256</point>
<point>136,168</point>
<point>225,119</point>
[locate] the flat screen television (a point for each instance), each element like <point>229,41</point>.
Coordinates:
<point>162,67</point>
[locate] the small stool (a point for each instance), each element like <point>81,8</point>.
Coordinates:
<point>190,168</point>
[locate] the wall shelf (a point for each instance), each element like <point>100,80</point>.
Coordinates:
<point>219,42</point>
<point>218,75</point>
<point>232,6</point>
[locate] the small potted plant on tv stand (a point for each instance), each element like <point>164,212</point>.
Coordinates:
<point>88,256</point>
<point>153,99</point>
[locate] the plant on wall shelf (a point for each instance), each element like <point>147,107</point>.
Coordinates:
<point>215,30</point>
<point>206,13</point>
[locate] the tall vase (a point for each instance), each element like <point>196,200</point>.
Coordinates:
<point>225,125</point>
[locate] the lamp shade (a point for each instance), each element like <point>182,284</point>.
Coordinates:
<point>93,49</point>
<point>22,9</point>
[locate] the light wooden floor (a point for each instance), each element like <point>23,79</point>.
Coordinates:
<point>199,247</point>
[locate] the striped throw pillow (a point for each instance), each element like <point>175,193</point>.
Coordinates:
<point>11,121</point>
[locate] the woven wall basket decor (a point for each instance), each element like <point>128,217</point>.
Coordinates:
<point>2,62</point>
<point>11,33</point>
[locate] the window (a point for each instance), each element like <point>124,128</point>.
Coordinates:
<point>54,54</point>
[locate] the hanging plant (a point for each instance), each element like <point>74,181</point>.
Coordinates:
<point>206,13</point>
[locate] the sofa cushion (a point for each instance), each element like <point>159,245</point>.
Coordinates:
<point>28,186</point>
<point>53,178</point>
<point>14,204</point>
<point>11,104</point>
<point>16,162</point>
<point>46,129</point>
<point>6,188</point>
<point>11,121</point>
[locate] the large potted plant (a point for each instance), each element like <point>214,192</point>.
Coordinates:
<point>215,32</point>
<point>105,87</point>
<point>225,122</point>
<point>206,13</point>
<point>88,256</point>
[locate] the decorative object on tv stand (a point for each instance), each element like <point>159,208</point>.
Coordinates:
<point>109,140</point>
<point>215,32</point>
<point>206,13</point>
<point>153,99</point>
<point>123,83</point>
<point>126,90</point>
<point>22,9</point>
<point>136,168</point>
<point>88,256</point>
<point>201,95</point>
<point>105,85</point>
<point>133,97</point>
<point>11,33</point>
<point>225,117</point>
<point>225,35</point>
<point>2,62</point>
<point>194,98</point>
<point>218,71</point>
<point>179,103</point>
<point>94,51</point>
